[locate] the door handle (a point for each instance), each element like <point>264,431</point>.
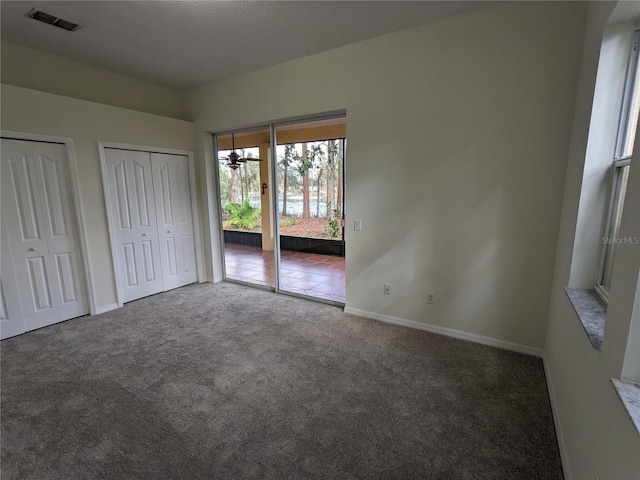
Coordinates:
<point>33,249</point>
<point>168,231</point>
<point>144,234</point>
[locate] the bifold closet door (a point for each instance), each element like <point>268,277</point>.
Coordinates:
<point>174,219</point>
<point>41,267</point>
<point>151,219</point>
<point>133,221</point>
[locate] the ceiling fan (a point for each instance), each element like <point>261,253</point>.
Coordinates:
<point>234,160</point>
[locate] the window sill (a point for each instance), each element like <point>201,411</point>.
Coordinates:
<point>591,313</point>
<point>630,396</point>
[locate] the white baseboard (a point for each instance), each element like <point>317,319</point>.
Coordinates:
<point>106,308</point>
<point>449,332</point>
<point>556,421</point>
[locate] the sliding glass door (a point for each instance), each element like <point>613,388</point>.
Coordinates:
<point>310,171</point>
<point>282,209</point>
<point>245,206</point>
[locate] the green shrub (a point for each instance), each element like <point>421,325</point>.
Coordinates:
<point>334,227</point>
<point>288,221</point>
<point>242,215</point>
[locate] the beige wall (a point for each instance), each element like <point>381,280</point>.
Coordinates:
<point>25,67</point>
<point>596,435</point>
<point>458,135</point>
<point>87,123</point>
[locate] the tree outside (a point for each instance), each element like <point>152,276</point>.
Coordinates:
<point>310,186</point>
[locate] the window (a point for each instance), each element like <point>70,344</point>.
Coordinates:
<point>620,167</point>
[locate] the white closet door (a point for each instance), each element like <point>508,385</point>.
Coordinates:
<point>175,222</point>
<point>40,258</point>
<point>11,318</point>
<point>133,220</point>
<point>60,230</point>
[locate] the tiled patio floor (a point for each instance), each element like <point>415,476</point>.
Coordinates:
<point>320,276</point>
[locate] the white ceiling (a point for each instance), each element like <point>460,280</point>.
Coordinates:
<point>187,43</point>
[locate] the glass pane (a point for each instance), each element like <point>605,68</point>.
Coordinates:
<point>246,207</point>
<point>632,125</point>
<point>613,238</point>
<point>310,198</point>
<point>311,159</point>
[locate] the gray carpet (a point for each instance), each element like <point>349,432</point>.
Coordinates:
<point>227,382</point>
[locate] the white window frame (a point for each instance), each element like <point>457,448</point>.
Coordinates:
<point>608,240</point>
<point>630,91</point>
<point>620,162</point>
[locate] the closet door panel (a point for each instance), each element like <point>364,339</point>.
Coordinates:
<point>26,253</point>
<point>42,280</point>
<point>175,223</point>
<point>60,230</point>
<point>11,322</point>
<point>133,220</point>
<point>11,317</point>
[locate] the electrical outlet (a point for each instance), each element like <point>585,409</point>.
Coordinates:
<point>431,297</point>
<point>387,289</point>
<point>357,225</point>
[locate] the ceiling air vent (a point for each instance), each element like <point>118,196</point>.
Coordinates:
<point>52,20</point>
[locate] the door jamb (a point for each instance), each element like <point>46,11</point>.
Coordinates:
<point>78,213</point>
<point>195,212</point>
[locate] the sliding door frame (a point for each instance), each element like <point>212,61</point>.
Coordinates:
<point>274,139</point>
<point>218,197</point>
<point>273,159</point>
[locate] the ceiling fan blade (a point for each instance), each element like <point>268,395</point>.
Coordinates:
<point>234,160</point>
